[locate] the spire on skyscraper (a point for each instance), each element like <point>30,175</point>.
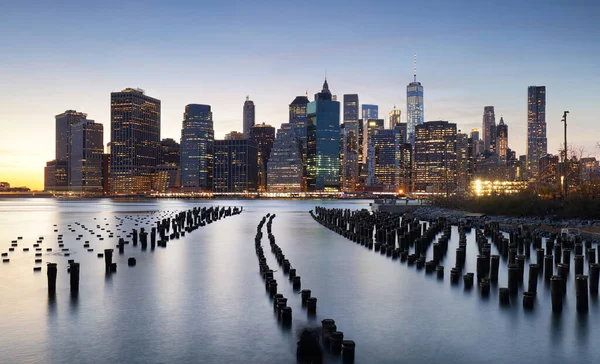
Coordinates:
<point>415,68</point>
<point>325,87</point>
<point>501,121</point>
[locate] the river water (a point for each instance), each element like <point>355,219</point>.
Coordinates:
<point>202,300</point>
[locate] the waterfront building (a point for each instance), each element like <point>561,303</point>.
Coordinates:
<point>481,187</point>
<point>135,140</point>
<point>297,121</point>
<point>404,157</point>
<point>167,178</point>
<point>264,136</point>
<point>284,168</point>
<point>62,140</point>
<point>235,166</point>
<point>383,173</point>
<point>415,113</point>
<point>323,146</point>
<point>536,128</point>
<point>502,141</point>
<point>55,176</point>
<point>489,130</point>
<point>435,163</point>
<point>169,152</point>
<point>87,147</point>
<point>197,143</point>
<point>463,163</point>
<point>248,116</point>
<point>106,173</point>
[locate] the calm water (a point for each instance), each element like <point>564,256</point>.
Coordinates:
<point>202,299</point>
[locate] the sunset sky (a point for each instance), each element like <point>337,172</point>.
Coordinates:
<point>72,54</point>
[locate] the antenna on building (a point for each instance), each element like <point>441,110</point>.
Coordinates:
<point>415,68</point>
<point>247,97</point>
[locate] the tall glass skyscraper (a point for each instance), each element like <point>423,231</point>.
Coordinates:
<point>536,128</point>
<point>249,117</point>
<point>488,128</point>
<point>350,146</point>
<point>87,139</point>
<point>323,142</point>
<point>285,163</point>
<point>235,166</point>
<point>64,122</point>
<point>370,111</point>
<point>415,113</point>
<point>197,146</point>
<point>135,140</point>
<point>502,141</point>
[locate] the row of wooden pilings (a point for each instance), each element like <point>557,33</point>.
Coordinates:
<point>308,348</point>
<point>183,222</point>
<point>385,228</point>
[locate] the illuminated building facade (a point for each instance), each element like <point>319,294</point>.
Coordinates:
<point>384,167</point>
<point>463,163</point>
<point>488,128</point>
<point>404,157</point>
<point>248,117</point>
<point>55,176</point>
<point>415,113</point>
<point>370,111</point>
<point>135,140</point>
<point>235,135</point>
<point>106,173</point>
<point>395,117</point>
<point>370,126</point>
<point>435,163</point>
<point>502,141</point>
<point>350,146</point>
<point>63,123</point>
<point>284,168</point>
<point>496,187</point>
<point>323,142</point>
<point>235,166</point>
<point>197,145</point>
<point>536,129</point>
<point>87,147</point>
<point>264,136</point>
<point>166,178</point>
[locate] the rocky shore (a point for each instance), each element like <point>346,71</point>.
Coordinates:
<point>546,223</point>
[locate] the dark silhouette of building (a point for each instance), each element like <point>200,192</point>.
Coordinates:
<point>264,136</point>
<point>249,116</point>
<point>536,129</point>
<point>197,147</point>
<point>235,166</point>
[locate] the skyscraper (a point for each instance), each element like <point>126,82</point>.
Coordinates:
<point>488,128</point>
<point>248,116</point>
<point>536,128</point>
<point>350,143</point>
<point>415,113</point>
<point>284,169</point>
<point>384,172</point>
<point>370,111</point>
<point>167,175</point>
<point>264,136</point>
<point>235,166</point>
<point>502,141</point>
<point>197,144</point>
<point>323,145</point>
<point>369,128</point>
<point>55,176</point>
<point>87,147</point>
<point>135,140</point>
<point>169,152</point>
<point>435,162</point>
<point>64,122</point>
<point>395,117</point>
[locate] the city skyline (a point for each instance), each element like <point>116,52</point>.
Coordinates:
<point>462,73</point>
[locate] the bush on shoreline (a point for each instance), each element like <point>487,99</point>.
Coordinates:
<point>525,205</point>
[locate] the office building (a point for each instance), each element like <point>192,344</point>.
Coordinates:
<point>87,147</point>
<point>415,113</point>
<point>536,129</point>
<point>463,163</point>
<point>167,178</point>
<point>435,163</point>
<point>395,117</point>
<point>370,126</point>
<point>197,146</point>
<point>235,135</point>
<point>55,176</point>
<point>63,124</point>
<point>264,136</point>
<point>106,173</point>
<point>248,117</point>
<point>370,112</point>
<point>502,141</point>
<point>489,130</point>
<point>350,147</point>
<point>135,140</point>
<point>284,168</point>
<point>235,166</point>
<point>383,173</point>
<point>169,152</point>
<point>323,145</point>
